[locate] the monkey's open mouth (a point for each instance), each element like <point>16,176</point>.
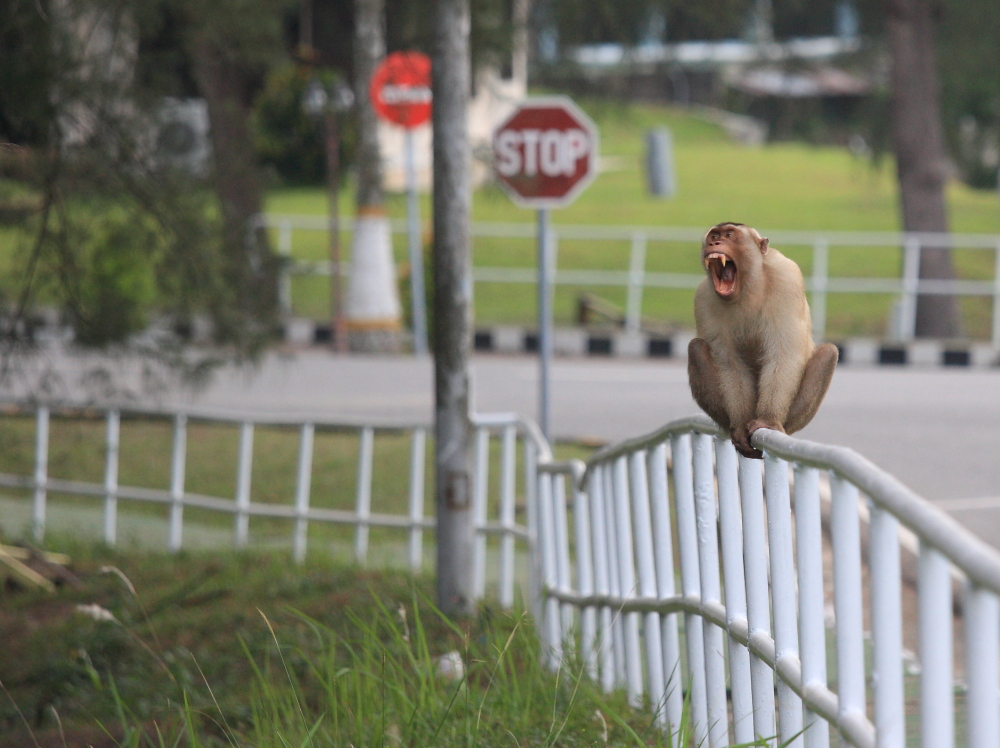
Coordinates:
<point>723,272</point>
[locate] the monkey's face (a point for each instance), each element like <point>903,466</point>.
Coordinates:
<point>728,253</point>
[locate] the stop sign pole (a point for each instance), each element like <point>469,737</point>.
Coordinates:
<point>400,91</point>
<point>544,155</point>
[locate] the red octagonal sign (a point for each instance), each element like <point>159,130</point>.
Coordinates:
<point>546,152</point>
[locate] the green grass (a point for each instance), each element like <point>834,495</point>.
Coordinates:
<point>248,650</point>
<point>778,187</point>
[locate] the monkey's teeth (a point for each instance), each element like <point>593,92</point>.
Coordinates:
<point>723,260</point>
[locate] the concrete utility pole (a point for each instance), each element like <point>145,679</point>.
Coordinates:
<point>372,309</point>
<point>452,308</point>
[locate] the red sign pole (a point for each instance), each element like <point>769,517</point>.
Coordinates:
<point>545,154</point>
<point>400,91</point>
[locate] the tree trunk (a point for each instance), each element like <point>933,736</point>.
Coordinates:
<point>372,309</point>
<point>452,308</point>
<point>921,161</point>
<point>250,271</point>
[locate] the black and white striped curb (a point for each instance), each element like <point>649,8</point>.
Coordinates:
<point>581,341</point>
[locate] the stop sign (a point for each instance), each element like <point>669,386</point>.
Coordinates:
<point>546,152</point>
<point>400,89</point>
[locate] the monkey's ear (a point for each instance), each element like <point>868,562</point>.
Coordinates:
<point>763,245</point>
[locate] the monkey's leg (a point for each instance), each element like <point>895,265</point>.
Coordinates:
<point>815,382</point>
<point>725,390</point>
<point>706,386</point>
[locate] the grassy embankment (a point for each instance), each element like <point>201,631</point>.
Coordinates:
<point>786,186</point>
<point>249,650</point>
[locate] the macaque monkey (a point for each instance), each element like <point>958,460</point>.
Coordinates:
<point>753,364</point>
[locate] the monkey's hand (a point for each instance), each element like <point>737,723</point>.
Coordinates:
<point>741,440</point>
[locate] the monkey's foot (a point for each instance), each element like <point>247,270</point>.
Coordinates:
<point>741,440</point>
<point>760,423</point>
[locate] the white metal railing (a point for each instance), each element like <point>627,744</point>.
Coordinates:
<point>636,277</point>
<point>606,537</point>
<point>508,429</point>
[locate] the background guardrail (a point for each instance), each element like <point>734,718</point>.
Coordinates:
<point>636,277</point>
<point>508,430</point>
<point>609,591</point>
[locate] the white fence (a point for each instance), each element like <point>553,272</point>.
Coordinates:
<point>607,534</point>
<point>636,277</point>
<point>508,429</point>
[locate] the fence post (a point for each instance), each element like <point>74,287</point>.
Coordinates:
<point>417,459</point>
<point>812,627</point>
<point>364,493</point>
<point>584,579</point>
<point>786,634</point>
<point>243,473</point>
<point>911,281</point>
<point>887,629</point>
<point>41,471</point>
<point>687,540</point>
<point>821,261</point>
<point>614,573</point>
<point>111,478</point>
<point>627,582</point>
<point>636,279</point>
<point>937,699</point>
<point>996,300</point>
<point>508,474</point>
<point>303,485</point>
<point>602,576</point>
<point>285,277</point>
<point>177,466</point>
<point>481,478</point>
<point>982,651</point>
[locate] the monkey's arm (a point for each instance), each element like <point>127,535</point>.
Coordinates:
<point>725,390</point>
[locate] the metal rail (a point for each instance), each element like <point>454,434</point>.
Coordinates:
<point>635,277</point>
<point>611,594</point>
<point>495,515</point>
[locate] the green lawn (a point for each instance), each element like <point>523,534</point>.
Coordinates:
<point>778,187</point>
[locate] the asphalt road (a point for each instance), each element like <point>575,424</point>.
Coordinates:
<point>937,430</point>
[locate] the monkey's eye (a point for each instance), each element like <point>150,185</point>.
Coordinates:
<point>729,234</point>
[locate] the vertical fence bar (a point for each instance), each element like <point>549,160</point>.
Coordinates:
<point>563,571</point>
<point>416,499</point>
<point>244,470</point>
<point>481,477</point>
<point>995,337</point>
<point>508,474</point>
<point>821,262</point>
<point>887,629</point>
<point>758,603</point>
<point>112,437</point>
<point>285,278</point>
<point>363,501</point>
<point>303,485</point>
<point>672,698</point>
<point>783,602</point>
<point>812,627</point>
<point>531,490</point>
<point>41,472</point>
<point>687,541</point>
<point>636,279</point>
<point>585,579</point>
<point>602,577</point>
<point>547,546</point>
<point>731,529</point>
<point>642,529</point>
<point>177,467</point>
<point>937,700</point>
<point>982,669</point>
<point>847,600</point>
<point>911,280</point>
<point>626,571</point>
<point>711,592</point>
<point>614,574</point>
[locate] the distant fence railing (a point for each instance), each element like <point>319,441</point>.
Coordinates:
<point>636,278</point>
<point>606,539</point>
<point>508,429</point>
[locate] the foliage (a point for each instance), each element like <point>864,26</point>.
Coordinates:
<point>30,68</point>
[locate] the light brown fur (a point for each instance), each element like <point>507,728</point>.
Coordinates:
<point>754,364</point>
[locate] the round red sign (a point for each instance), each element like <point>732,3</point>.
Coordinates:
<point>400,89</point>
<point>546,152</point>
